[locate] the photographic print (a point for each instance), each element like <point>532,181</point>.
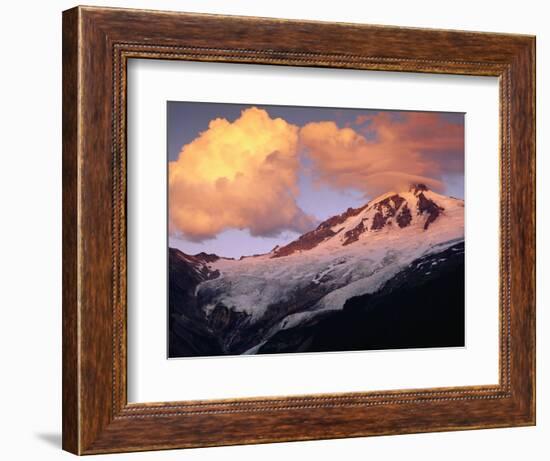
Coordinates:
<point>298,229</point>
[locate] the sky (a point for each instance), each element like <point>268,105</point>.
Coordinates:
<point>243,178</point>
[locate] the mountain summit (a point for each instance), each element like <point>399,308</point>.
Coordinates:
<point>418,207</point>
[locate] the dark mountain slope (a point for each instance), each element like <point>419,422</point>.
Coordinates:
<point>422,306</point>
<point>188,333</point>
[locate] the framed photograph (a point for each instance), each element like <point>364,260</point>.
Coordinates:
<point>284,230</point>
<point>274,248</point>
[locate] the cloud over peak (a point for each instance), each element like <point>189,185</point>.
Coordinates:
<point>385,151</point>
<point>240,174</point>
<point>244,174</point>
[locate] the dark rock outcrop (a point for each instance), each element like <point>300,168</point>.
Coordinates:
<point>386,209</point>
<point>404,217</point>
<point>207,257</point>
<point>417,188</point>
<point>312,239</point>
<point>428,206</point>
<point>353,234</point>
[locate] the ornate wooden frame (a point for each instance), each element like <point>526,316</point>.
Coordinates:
<point>97,43</point>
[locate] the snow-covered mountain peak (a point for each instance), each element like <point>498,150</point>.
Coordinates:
<point>244,302</point>
<point>419,208</point>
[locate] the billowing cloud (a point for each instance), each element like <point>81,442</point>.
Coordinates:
<point>244,174</point>
<point>385,151</point>
<point>239,175</point>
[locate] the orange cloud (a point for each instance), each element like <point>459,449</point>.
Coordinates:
<point>240,174</point>
<point>415,147</point>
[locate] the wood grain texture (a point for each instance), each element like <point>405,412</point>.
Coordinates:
<point>97,43</point>
<point>70,383</point>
